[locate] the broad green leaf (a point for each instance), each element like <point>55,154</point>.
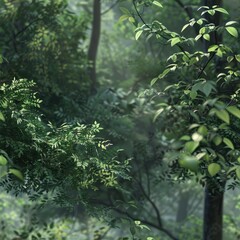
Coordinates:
<point>223,115</point>
<point>222,10</point>
<point>123,18</point>
<point>229,59</point>
<point>237,57</point>
<point>217,140</point>
<point>17,173</point>
<point>157,4</point>
<point>213,169</point>
<point>185,138</point>
<point>213,48</point>
<point>131,19</point>
<point>233,31</point>
<point>189,162</point>
<point>238,172</point>
<point>193,95</point>
<point>175,41</point>
<point>2,117</point>
<point>203,130</point>
<point>200,22</point>
<point>234,111</point>
<point>198,37</point>
<point>206,37</point>
<point>229,143</point>
<point>230,23</point>
<point>219,52</point>
<point>138,34</point>
<point>3,160</point>
<point>238,159</point>
<point>191,146</point>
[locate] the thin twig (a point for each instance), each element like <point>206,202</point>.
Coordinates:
<point>111,7</point>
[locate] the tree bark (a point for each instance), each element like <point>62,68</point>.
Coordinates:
<point>94,43</point>
<point>213,214</point>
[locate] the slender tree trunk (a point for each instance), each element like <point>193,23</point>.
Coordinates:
<point>94,42</point>
<point>213,214</point>
<point>213,203</point>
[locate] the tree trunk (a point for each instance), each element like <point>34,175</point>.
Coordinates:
<point>94,42</point>
<point>213,214</point>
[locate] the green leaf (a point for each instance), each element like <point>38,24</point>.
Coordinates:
<point>189,162</point>
<point>153,81</point>
<point>222,10</point>
<point>230,23</point>
<point>213,48</point>
<point>2,117</point>
<point>193,95</point>
<point>237,57</point>
<point>229,59</point>
<point>157,4</point>
<point>203,130</point>
<point>234,111</point>
<point>175,41</point>
<point>17,173</point>
<point>229,143</point>
<point>123,18</point>
<point>184,27</point>
<point>206,37</point>
<point>200,21</point>
<point>217,140</point>
<point>238,172</point>
<point>138,34</point>
<point>213,169</point>
<point>185,138</point>
<point>131,19</point>
<point>223,115</point>
<point>191,146</point>
<point>233,31</point>
<point>159,111</point>
<point>3,160</point>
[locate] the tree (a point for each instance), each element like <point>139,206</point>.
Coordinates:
<point>198,108</point>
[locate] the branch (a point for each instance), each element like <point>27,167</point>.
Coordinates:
<point>143,21</point>
<point>206,64</point>
<point>153,205</point>
<point>168,233</point>
<point>111,7</point>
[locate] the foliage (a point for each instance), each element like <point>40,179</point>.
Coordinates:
<point>202,102</point>
<point>68,159</point>
<point>44,41</point>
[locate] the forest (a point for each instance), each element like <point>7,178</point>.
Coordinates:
<point>119,120</point>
